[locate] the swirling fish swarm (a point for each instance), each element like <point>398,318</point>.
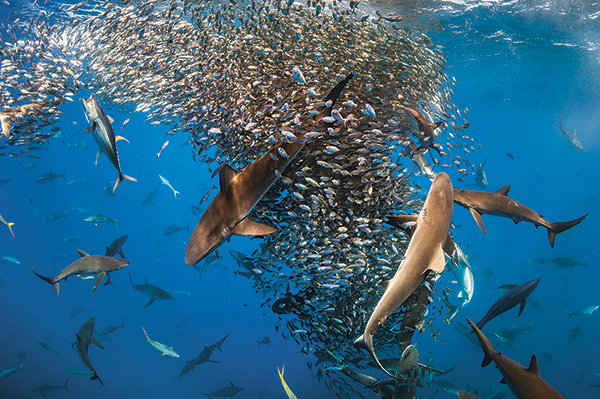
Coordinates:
<point>237,78</point>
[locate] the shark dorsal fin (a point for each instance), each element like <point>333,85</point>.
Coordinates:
<point>226,174</point>
<point>503,381</point>
<point>81,253</point>
<point>145,281</point>
<point>231,383</point>
<point>504,190</point>
<point>533,366</point>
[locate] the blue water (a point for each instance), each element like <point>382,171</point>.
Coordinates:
<point>517,69</point>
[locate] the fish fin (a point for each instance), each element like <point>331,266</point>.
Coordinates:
<point>95,377</point>
<point>51,280</point>
<point>151,302</point>
<point>385,284</point>
<point>225,175</point>
<point>438,264</point>
<point>111,120</point>
<point>437,124</point>
<point>117,138</point>
<point>534,366</point>
<point>121,178</point>
<point>450,249</point>
<point>503,381</point>
<point>485,343</point>
<point>521,307</point>
<point>477,217</point>
<point>504,190</point>
<point>337,90</point>
<point>99,280</point>
<point>570,314</point>
<point>131,281</point>
<point>121,254</point>
<point>508,286</point>
<point>13,234</point>
<point>367,343</point>
<point>559,227</point>
<point>66,382</point>
<point>97,155</point>
<point>97,343</point>
<point>249,227</point>
<point>81,253</point>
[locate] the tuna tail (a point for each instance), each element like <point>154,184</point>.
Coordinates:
<point>66,382</point>
<point>95,377</point>
<point>52,280</point>
<point>559,227</point>
<point>63,175</point>
<point>486,345</point>
<point>10,228</point>
<point>570,314</point>
<point>121,178</point>
<point>367,343</point>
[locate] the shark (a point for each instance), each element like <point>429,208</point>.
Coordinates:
<point>150,290</point>
<point>516,295</point>
<point>500,204</point>
<point>481,180</point>
<point>570,136</point>
<point>104,135</point>
<point>46,388</point>
<point>225,392</point>
<point>87,264</point>
<point>426,128</point>
<point>84,339</point>
<point>115,247</point>
<point>466,280</point>
<point>424,253</point>
<point>524,383</point>
<point>239,192</point>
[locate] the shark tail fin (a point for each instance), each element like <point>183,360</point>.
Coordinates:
<point>486,345</point>
<point>365,341</point>
<point>52,280</point>
<point>559,227</point>
<point>121,178</point>
<point>95,377</point>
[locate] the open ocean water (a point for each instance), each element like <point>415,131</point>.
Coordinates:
<point>519,68</point>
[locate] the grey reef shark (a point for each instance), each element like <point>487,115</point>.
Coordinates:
<point>500,204</point>
<point>104,135</point>
<point>524,383</point>
<point>517,295</point>
<point>239,192</point>
<point>424,253</point>
<point>88,264</point>
<point>150,290</point>
<point>84,339</point>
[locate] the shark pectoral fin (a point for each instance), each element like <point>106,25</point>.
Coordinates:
<point>117,138</point>
<point>151,302</point>
<point>438,263</point>
<point>477,217</point>
<point>121,254</point>
<point>249,227</point>
<point>503,381</point>
<point>225,175</point>
<point>97,343</point>
<point>450,249</point>
<point>521,307</point>
<point>99,280</point>
<point>504,190</point>
<point>533,366</point>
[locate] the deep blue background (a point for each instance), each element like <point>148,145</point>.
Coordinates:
<point>516,71</point>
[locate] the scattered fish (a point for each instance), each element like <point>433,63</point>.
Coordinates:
<point>6,259</point>
<point>49,177</point>
<point>10,371</point>
<point>585,311</point>
<point>48,348</point>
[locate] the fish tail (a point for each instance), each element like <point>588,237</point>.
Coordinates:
<point>52,280</point>
<point>365,341</point>
<point>63,175</point>
<point>559,227</point>
<point>10,228</point>
<point>146,334</point>
<point>570,314</point>
<point>95,377</point>
<point>486,345</point>
<point>66,382</point>
<point>121,178</point>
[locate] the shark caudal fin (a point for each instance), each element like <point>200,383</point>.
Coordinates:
<point>366,342</point>
<point>95,377</point>
<point>486,345</point>
<point>52,280</point>
<point>121,178</point>
<point>559,227</point>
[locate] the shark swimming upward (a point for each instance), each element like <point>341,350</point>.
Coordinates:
<point>239,192</point>
<point>425,252</point>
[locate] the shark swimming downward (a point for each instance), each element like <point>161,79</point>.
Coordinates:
<point>425,252</point>
<point>239,192</point>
